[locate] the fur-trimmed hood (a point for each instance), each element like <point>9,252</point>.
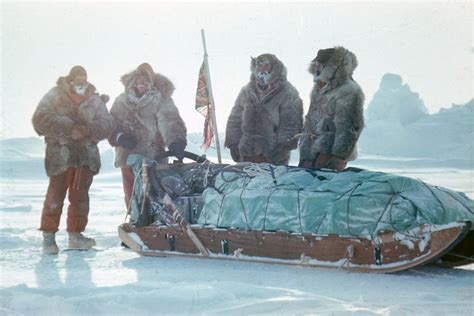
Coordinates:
<point>153,120</point>
<point>278,69</point>
<point>338,69</point>
<point>65,86</point>
<point>160,82</point>
<point>335,117</point>
<point>266,124</point>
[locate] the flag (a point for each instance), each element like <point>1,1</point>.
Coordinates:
<point>204,106</point>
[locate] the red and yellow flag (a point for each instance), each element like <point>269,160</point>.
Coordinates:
<point>204,106</point>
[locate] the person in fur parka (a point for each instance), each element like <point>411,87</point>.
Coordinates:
<point>73,118</point>
<point>267,115</point>
<point>334,120</point>
<point>146,121</point>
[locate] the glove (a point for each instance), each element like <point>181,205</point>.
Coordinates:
<point>79,131</point>
<point>127,141</point>
<point>289,145</point>
<point>306,163</point>
<point>177,150</point>
<point>105,98</point>
<point>282,148</point>
<point>235,153</point>
<point>336,163</point>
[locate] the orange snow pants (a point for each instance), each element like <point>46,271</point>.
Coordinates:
<point>127,180</point>
<point>77,181</point>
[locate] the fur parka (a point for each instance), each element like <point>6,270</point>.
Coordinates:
<point>153,120</point>
<point>54,119</point>
<point>335,119</point>
<point>266,125</point>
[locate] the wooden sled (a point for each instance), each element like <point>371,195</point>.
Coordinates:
<point>388,252</point>
<point>445,245</point>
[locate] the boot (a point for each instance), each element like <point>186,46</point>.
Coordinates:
<point>78,240</point>
<point>49,244</point>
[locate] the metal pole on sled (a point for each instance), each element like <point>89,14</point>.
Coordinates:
<point>211,97</point>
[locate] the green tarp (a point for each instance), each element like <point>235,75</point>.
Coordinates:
<point>352,202</point>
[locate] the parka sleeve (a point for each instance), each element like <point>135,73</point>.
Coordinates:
<point>117,121</point>
<point>103,124</point>
<point>233,131</point>
<point>47,121</point>
<point>291,121</point>
<point>349,122</point>
<point>170,123</point>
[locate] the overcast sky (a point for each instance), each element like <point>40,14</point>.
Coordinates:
<point>428,44</point>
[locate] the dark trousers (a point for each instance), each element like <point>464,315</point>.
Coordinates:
<point>256,159</point>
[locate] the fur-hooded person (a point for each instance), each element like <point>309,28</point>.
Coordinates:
<point>267,115</point>
<point>146,121</point>
<point>335,119</point>
<point>73,118</point>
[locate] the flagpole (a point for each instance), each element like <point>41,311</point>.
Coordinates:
<point>211,98</point>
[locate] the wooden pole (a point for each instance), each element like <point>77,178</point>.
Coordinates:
<point>184,224</point>
<point>211,98</point>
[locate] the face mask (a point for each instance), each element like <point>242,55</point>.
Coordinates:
<point>263,72</point>
<point>140,89</point>
<point>317,77</point>
<point>80,89</point>
<point>264,78</point>
<point>136,93</point>
<point>319,69</point>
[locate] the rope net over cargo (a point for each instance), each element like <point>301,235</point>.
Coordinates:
<point>264,197</point>
<point>348,203</point>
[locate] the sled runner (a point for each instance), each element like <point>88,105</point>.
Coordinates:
<point>348,253</point>
<point>461,254</point>
<point>355,220</point>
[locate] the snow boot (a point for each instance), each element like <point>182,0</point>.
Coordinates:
<point>49,244</point>
<point>79,241</point>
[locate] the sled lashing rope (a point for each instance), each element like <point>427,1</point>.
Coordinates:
<point>387,211</point>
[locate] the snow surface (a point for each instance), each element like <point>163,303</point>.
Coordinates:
<point>116,281</point>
